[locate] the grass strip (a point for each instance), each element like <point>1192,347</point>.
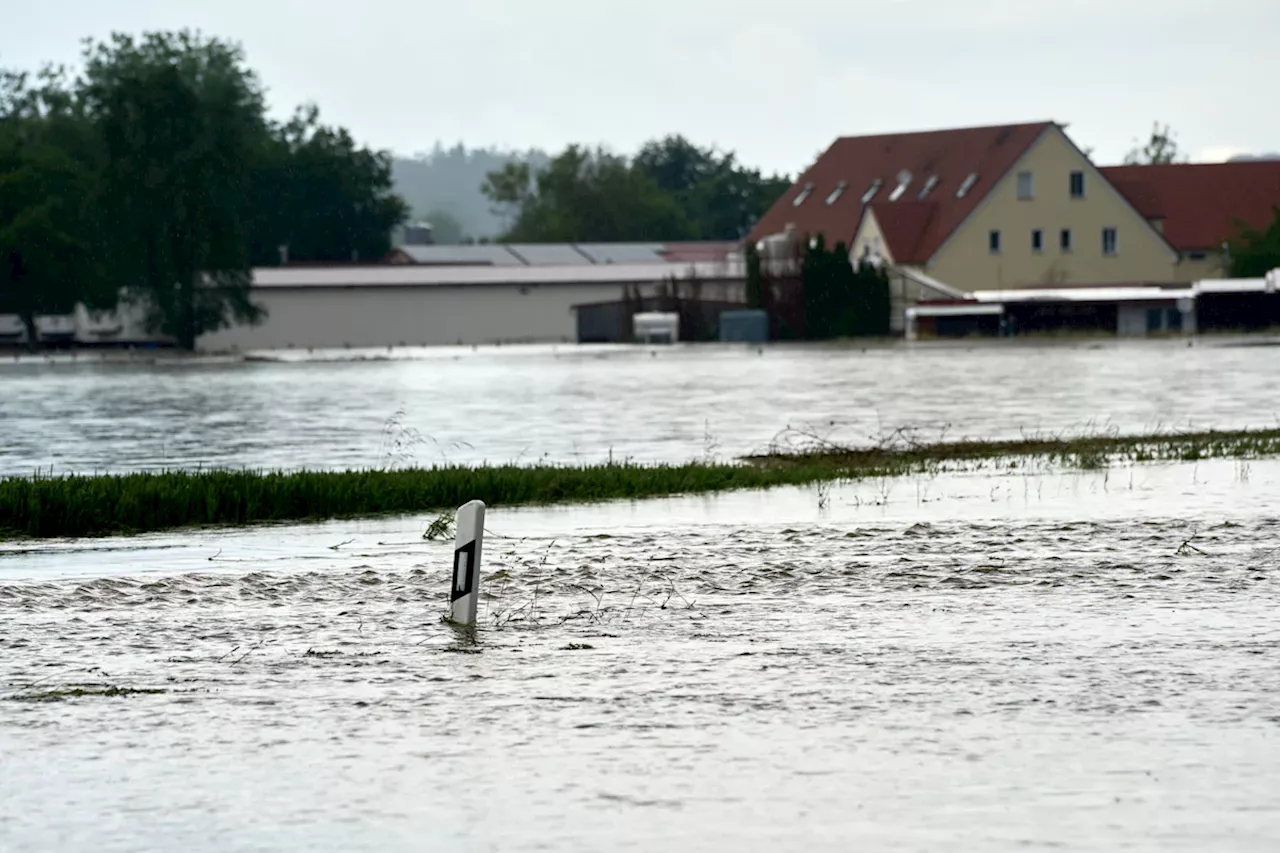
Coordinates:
<point>44,506</point>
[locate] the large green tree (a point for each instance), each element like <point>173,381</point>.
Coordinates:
<point>320,194</point>
<point>50,204</point>
<point>671,190</point>
<point>1257,250</point>
<point>585,196</point>
<point>181,122</point>
<point>722,199</point>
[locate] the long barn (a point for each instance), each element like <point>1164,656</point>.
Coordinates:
<point>423,305</point>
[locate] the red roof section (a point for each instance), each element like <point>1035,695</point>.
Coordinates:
<point>1201,202</point>
<point>906,226</point>
<point>914,228</point>
<point>706,251</point>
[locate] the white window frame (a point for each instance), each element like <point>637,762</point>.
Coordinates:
<point>1026,186</point>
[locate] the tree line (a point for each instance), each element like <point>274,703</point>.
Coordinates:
<point>670,190</point>
<point>155,176</point>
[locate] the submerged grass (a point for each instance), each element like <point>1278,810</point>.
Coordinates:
<point>903,454</point>
<point>61,694</point>
<point>46,506</point>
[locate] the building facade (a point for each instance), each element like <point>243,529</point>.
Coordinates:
<point>1021,206</point>
<point>424,305</point>
<point>1200,208</point>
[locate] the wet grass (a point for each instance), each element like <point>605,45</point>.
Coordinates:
<point>904,455</point>
<point>64,506</point>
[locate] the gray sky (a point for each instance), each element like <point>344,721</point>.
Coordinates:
<point>774,81</point>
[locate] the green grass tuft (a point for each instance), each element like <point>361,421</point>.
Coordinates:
<point>47,506</point>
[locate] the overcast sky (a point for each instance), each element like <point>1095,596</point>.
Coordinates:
<point>774,81</point>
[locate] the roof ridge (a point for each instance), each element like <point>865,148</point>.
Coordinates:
<point>943,130</point>
<point>1275,163</point>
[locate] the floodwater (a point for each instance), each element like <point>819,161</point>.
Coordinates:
<point>328,410</point>
<point>1025,661</point>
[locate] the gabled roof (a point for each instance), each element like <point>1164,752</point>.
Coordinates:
<point>1200,202</point>
<point>951,156</point>
<point>906,226</point>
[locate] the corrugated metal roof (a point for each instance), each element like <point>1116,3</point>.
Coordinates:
<point>1231,285</point>
<point>547,254</point>
<point>571,254</point>
<point>970,310</point>
<point>494,255</point>
<point>389,275</point>
<point>1083,294</point>
<point>623,253</point>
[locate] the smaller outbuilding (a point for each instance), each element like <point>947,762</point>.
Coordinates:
<point>1127,310</point>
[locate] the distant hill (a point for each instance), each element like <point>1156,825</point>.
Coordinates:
<point>1242,158</point>
<point>443,187</point>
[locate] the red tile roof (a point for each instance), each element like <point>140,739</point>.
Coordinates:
<point>906,225</point>
<point>914,229</point>
<point>1200,202</point>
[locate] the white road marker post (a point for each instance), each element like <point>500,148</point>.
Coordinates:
<point>464,594</point>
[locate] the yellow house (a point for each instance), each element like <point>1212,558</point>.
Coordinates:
<point>984,208</point>
<point>1199,208</point>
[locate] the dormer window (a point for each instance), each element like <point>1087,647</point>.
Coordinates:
<point>837,192</point>
<point>872,190</point>
<point>928,186</point>
<point>804,194</point>
<point>904,180</point>
<point>967,185</point>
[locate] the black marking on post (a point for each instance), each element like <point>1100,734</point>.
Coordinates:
<point>464,571</point>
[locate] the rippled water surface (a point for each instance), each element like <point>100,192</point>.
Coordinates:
<point>584,403</point>
<point>1071,661</point>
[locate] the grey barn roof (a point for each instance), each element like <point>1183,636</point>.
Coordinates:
<point>412,275</point>
<point>498,256</point>
<point>558,254</point>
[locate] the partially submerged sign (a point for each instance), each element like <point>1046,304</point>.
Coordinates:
<point>464,592</point>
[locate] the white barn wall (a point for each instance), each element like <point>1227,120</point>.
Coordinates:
<point>413,316</point>
<point>429,315</point>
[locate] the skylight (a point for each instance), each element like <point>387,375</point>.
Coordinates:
<point>967,185</point>
<point>904,180</point>
<point>929,185</point>
<point>836,193</point>
<point>872,190</point>
<point>804,194</point>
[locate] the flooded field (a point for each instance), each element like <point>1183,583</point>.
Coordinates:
<point>585,403</point>
<point>1070,661</point>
